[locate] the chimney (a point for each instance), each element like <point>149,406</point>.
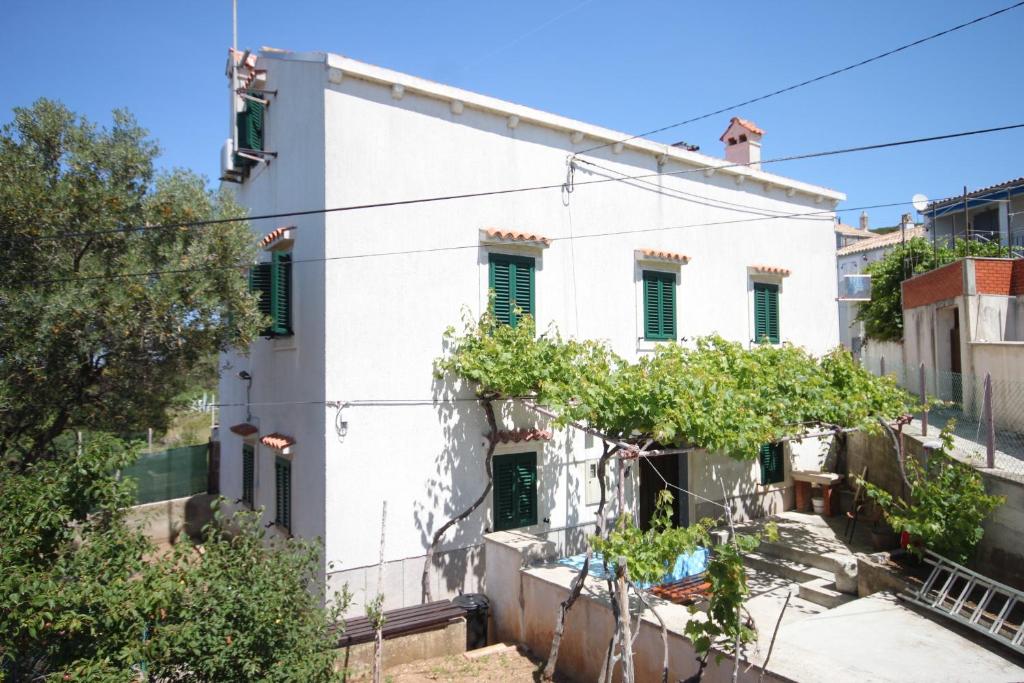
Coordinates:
<point>743,143</point>
<point>863,220</point>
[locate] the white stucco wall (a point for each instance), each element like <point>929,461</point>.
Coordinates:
<point>368,331</point>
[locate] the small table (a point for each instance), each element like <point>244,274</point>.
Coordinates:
<point>805,479</point>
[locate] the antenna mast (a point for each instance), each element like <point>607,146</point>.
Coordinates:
<point>234,77</point>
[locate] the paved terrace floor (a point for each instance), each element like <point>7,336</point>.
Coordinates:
<point>877,638</point>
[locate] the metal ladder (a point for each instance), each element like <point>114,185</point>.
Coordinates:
<point>948,591</point>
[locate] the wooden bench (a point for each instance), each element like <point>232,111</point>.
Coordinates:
<point>400,622</point>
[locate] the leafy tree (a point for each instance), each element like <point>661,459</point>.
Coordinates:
<point>945,507</point>
<point>84,596</point>
<point>883,314</point>
<point>80,345</point>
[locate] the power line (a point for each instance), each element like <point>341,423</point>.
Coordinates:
<point>516,190</point>
<point>809,81</point>
<point>475,245</point>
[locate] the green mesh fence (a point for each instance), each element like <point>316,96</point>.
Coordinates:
<point>174,473</point>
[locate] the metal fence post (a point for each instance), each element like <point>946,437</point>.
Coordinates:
<point>924,399</point>
<point>881,366</point>
<point>990,423</point>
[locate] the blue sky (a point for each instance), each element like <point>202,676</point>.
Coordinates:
<point>629,66</point>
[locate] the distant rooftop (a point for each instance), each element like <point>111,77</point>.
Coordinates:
<point>880,241</point>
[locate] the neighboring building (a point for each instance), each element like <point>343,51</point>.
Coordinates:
<point>854,286</point>
<point>991,214</point>
<point>848,234</point>
<point>338,410</point>
<point>963,321</point>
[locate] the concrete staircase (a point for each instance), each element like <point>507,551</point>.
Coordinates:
<point>813,573</point>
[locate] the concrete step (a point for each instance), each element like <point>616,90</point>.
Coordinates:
<point>797,572</point>
<point>822,591</point>
<point>829,561</point>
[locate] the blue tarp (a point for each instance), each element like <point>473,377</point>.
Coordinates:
<point>686,565</point>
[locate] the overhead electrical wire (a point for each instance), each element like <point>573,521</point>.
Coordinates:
<point>516,190</point>
<point>425,250</point>
<point>809,81</point>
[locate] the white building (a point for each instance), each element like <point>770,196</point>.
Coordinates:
<point>852,259</point>
<point>342,412</point>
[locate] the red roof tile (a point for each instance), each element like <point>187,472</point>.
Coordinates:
<point>520,435</point>
<point>244,429</point>
<point>771,270</point>
<point>275,235</point>
<point>744,123</point>
<point>277,441</point>
<point>665,255</point>
<point>515,236</point>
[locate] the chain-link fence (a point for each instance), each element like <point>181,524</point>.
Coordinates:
<point>174,473</point>
<point>988,412</point>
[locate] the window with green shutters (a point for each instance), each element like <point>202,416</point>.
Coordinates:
<point>512,281</point>
<point>248,473</point>
<point>659,305</point>
<point>283,493</point>
<point>273,282</point>
<point>515,490</point>
<point>773,469</point>
<point>766,312</point>
<point>250,128</point>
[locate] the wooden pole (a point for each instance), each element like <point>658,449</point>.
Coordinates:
<point>626,644</point>
<point>378,639</point>
<point>924,399</point>
<point>990,424</point>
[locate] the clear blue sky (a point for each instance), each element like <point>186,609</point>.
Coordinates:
<point>629,66</point>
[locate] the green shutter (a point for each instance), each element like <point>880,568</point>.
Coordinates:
<point>659,305</point>
<point>250,125</point>
<point>512,281</point>
<point>515,490</point>
<point>248,472</point>
<point>260,283</point>
<point>513,278</point>
<point>773,468</point>
<point>283,493</point>
<point>766,312</point>
<point>281,294</point>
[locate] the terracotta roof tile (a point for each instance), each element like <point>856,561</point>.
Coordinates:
<point>880,241</point>
<point>744,123</point>
<point>664,255</point>
<point>853,231</point>
<point>275,235</point>
<point>244,429</point>
<point>515,236</point>
<point>771,270</point>
<point>277,441</point>
<point>520,435</point>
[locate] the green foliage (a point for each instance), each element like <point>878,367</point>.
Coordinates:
<point>74,354</point>
<point>85,595</point>
<point>650,554</point>
<point>947,505</point>
<point>883,314</point>
<point>718,395</point>
<point>729,589</point>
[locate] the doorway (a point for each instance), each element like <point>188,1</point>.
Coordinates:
<point>654,473</point>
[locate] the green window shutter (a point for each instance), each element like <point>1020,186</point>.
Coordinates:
<point>512,280</point>
<point>773,469</point>
<point>766,312</point>
<point>515,490</point>
<point>283,493</point>
<point>260,279</point>
<point>248,472</point>
<point>659,305</point>
<point>250,125</point>
<point>281,294</point>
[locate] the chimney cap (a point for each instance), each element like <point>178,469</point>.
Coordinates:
<point>863,220</point>
<point>749,126</point>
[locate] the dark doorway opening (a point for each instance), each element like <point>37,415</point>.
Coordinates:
<point>655,474</point>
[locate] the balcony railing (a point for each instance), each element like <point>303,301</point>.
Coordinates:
<point>855,288</point>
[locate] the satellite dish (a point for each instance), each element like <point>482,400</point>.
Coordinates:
<point>920,202</point>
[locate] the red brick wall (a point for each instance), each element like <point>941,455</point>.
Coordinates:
<point>935,285</point>
<point>992,276</point>
<point>1017,278</point>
